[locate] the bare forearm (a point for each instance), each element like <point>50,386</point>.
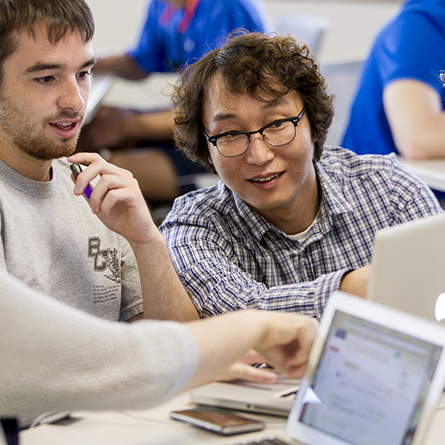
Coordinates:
<point>120,64</point>
<point>157,125</point>
<point>417,120</point>
<point>356,282</point>
<point>429,143</point>
<point>118,202</point>
<point>163,293</point>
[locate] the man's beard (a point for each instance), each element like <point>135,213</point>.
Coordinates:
<point>24,136</point>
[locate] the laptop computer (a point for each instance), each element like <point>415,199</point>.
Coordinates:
<point>408,267</point>
<point>274,399</point>
<point>374,376</point>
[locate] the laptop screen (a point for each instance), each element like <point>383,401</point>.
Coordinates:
<point>370,383</point>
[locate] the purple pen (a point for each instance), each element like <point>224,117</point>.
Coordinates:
<point>77,169</point>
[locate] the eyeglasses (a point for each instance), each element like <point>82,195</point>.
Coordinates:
<point>235,143</point>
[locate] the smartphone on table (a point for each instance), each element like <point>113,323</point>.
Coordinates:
<point>218,422</point>
<point>77,169</point>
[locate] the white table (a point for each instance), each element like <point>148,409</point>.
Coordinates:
<point>432,171</point>
<point>146,94</point>
<point>153,427</point>
<point>150,427</point>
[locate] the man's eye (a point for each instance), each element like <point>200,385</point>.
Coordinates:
<point>45,80</point>
<point>231,138</point>
<point>83,75</point>
<point>233,135</point>
<point>276,125</point>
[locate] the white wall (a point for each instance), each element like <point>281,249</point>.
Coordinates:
<point>354,23</point>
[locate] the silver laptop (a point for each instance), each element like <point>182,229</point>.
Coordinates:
<point>374,376</point>
<point>408,267</point>
<point>274,399</point>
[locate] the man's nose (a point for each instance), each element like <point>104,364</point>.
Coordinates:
<point>71,96</point>
<point>259,152</point>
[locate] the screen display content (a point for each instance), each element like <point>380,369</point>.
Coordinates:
<point>372,376</point>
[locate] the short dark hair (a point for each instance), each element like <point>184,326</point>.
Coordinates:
<point>261,66</point>
<point>59,16</point>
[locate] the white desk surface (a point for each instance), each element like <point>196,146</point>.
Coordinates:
<point>147,94</point>
<point>149,427</point>
<point>432,171</point>
<point>153,427</point>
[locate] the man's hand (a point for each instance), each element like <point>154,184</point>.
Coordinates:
<point>283,340</point>
<point>118,202</point>
<point>287,342</point>
<point>242,370</point>
<point>116,198</point>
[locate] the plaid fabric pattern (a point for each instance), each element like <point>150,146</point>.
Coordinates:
<point>229,258</point>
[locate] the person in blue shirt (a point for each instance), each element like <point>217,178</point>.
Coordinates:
<point>400,101</point>
<point>176,32</point>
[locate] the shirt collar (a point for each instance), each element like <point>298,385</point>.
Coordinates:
<point>331,191</point>
<point>188,14</point>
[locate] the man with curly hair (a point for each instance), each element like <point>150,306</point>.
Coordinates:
<point>289,222</point>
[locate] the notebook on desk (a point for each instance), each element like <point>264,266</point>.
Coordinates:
<point>374,376</point>
<point>408,267</point>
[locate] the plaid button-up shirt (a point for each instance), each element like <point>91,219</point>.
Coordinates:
<point>229,257</point>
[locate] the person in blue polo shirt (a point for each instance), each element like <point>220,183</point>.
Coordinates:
<point>400,104</point>
<point>175,32</point>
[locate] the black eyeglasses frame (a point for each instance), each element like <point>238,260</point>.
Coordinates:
<point>294,119</point>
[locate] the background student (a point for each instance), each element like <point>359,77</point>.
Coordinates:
<point>400,101</point>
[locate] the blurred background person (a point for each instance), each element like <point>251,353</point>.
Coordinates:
<point>175,32</point>
<point>399,106</point>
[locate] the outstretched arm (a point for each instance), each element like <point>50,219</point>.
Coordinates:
<point>119,204</point>
<point>121,64</point>
<point>125,366</point>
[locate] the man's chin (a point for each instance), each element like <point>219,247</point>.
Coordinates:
<point>52,151</point>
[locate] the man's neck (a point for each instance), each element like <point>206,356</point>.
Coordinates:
<point>292,223</point>
<point>27,166</point>
<point>178,3</point>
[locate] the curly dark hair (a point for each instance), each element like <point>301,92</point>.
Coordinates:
<point>262,66</point>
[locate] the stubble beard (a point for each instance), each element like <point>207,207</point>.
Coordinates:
<point>24,136</point>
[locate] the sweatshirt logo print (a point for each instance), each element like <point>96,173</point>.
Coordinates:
<point>104,259</point>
